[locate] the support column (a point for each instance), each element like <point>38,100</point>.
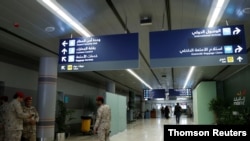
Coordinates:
<point>142,107</point>
<point>47,87</point>
<point>111,87</point>
<point>131,106</point>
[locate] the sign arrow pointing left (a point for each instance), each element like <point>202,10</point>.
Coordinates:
<point>64,59</point>
<point>64,43</point>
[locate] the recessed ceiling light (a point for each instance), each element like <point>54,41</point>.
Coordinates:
<point>164,75</point>
<point>246,10</point>
<point>50,29</point>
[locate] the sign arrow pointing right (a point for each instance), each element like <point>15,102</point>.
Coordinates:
<point>236,31</point>
<point>238,49</point>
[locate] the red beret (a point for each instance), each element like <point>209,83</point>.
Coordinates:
<point>99,98</point>
<point>20,94</point>
<point>28,98</point>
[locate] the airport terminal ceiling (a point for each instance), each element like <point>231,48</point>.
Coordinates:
<point>29,31</point>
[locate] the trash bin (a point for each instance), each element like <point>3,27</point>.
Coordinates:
<point>147,115</point>
<point>86,124</point>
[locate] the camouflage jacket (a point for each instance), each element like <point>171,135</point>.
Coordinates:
<point>15,116</point>
<point>103,117</point>
<point>3,113</point>
<point>27,127</point>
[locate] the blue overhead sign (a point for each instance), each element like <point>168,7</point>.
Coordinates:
<point>198,47</point>
<point>154,93</point>
<point>111,52</point>
<point>180,92</point>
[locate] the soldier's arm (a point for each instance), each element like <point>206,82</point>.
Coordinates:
<point>98,118</point>
<point>19,111</point>
<point>36,115</point>
<point>109,113</point>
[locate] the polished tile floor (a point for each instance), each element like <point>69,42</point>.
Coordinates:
<point>140,130</point>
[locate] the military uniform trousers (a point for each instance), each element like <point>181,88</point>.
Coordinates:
<point>13,135</point>
<point>31,136</point>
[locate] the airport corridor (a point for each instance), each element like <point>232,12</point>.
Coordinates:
<point>140,130</point>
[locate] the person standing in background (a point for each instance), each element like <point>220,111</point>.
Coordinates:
<point>29,125</point>
<point>189,112</point>
<point>171,109</point>
<point>177,112</point>
<point>103,119</point>
<point>167,112</point>
<point>3,106</point>
<point>14,118</point>
<point>162,111</point>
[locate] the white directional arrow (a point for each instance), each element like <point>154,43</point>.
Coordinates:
<point>236,31</point>
<point>64,43</point>
<point>64,51</point>
<point>64,59</point>
<point>238,49</point>
<point>239,58</point>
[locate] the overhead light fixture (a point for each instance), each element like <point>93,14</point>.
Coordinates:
<point>216,11</point>
<point>246,10</point>
<point>139,78</point>
<point>50,29</point>
<point>146,20</point>
<point>61,13</point>
<point>190,72</point>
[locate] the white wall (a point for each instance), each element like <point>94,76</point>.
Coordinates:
<point>78,89</point>
<point>203,94</point>
<point>118,107</point>
<point>18,77</point>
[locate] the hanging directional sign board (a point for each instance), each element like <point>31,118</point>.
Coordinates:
<point>111,52</point>
<point>180,92</point>
<point>198,47</point>
<point>154,93</point>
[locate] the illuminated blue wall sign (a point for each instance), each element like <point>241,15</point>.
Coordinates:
<point>111,52</point>
<point>198,47</point>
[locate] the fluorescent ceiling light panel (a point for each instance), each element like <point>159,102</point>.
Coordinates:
<point>216,11</point>
<point>139,78</point>
<point>60,12</point>
<point>190,72</point>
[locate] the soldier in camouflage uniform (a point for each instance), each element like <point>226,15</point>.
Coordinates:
<point>3,106</point>
<point>29,125</point>
<point>102,123</point>
<point>14,118</point>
